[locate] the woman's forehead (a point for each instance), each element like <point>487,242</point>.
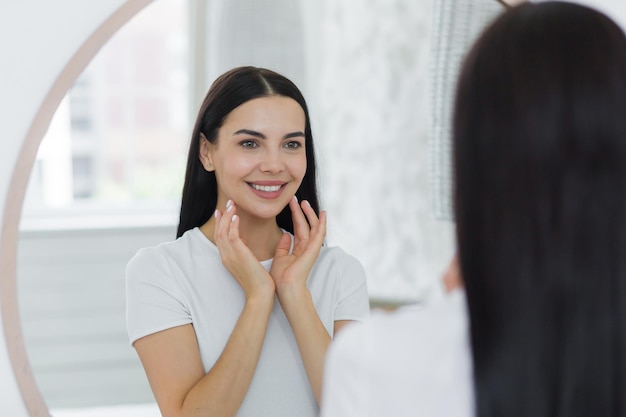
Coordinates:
<point>270,112</point>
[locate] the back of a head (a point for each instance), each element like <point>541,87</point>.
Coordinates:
<point>540,205</point>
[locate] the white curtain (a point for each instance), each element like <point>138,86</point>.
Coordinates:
<point>456,24</point>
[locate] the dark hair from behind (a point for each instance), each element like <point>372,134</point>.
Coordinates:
<point>228,92</point>
<point>540,204</point>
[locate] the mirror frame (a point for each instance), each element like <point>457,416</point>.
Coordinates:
<point>9,310</point>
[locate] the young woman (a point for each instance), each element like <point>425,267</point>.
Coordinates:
<point>234,317</point>
<point>539,144</point>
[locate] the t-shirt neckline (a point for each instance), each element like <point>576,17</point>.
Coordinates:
<point>267,263</point>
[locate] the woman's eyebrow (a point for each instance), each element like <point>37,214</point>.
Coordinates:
<point>250,132</point>
<point>294,135</point>
<point>262,136</point>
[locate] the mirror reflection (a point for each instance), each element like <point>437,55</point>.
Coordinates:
<point>113,185</point>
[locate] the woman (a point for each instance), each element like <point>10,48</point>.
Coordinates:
<point>234,317</point>
<point>540,172</point>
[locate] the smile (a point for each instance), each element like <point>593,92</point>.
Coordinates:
<point>266,188</point>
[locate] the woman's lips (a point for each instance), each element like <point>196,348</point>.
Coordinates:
<point>267,189</point>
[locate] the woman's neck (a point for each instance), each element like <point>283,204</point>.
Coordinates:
<point>260,236</point>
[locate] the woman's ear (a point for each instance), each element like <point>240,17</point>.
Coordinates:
<point>205,153</point>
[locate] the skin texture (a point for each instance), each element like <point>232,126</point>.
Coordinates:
<point>261,142</point>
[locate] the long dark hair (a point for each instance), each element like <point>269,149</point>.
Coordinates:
<point>229,91</point>
<point>540,204</point>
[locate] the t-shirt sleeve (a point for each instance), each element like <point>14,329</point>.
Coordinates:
<point>353,300</point>
<point>154,301</point>
<point>346,382</point>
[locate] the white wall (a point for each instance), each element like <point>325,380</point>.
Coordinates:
<point>38,38</point>
<point>71,291</point>
<point>368,63</point>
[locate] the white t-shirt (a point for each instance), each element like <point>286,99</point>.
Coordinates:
<point>415,361</point>
<point>184,282</point>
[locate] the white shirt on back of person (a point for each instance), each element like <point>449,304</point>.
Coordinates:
<point>415,361</point>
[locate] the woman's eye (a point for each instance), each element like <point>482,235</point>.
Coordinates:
<point>293,145</point>
<point>249,144</point>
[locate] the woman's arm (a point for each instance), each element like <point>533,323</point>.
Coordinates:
<point>311,335</point>
<point>171,358</point>
<point>174,368</point>
<point>290,272</point>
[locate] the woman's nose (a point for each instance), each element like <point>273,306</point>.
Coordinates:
<point>272,162</point>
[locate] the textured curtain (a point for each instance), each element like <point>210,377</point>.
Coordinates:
<point>455,25</point>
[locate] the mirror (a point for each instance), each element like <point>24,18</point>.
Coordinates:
<point>366,82</point>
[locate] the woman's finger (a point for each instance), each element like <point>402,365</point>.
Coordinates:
<point>310,215</point>
<point>310,250</point>
<point>318,233</point>
<point>218,225</point>
<point>233,234</point>
<point>300,226</point>
<point>284,246</point>
<point>223,222</point>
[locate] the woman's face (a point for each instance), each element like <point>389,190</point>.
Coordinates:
<point>259,157</point>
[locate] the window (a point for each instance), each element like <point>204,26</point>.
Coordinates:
<point>118,141</point>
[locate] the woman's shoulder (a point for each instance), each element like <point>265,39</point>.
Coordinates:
<point>414,358</point>
<point>184,245</point>
<point>156,252</point>
<point>447,314</point>
<point>407,328</point>
<point>333,263</point>
<point>335,254</point>
<point>339,278</point>
<point>181,251</point>
<point>150,263</point>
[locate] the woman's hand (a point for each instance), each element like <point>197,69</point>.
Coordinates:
<point>238,258</point>
<point>452,278</point>
<point>290,271</point>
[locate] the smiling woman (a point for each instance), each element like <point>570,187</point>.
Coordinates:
<point>73,247</point>
<point>242,306</point>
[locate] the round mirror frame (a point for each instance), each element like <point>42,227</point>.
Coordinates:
<point>31,396</point>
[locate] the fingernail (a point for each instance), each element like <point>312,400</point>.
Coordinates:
<point>216,214</point>
<point>295,198</point>
<point>234,218</point>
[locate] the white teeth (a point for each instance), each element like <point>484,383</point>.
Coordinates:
<point>266,188</point>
